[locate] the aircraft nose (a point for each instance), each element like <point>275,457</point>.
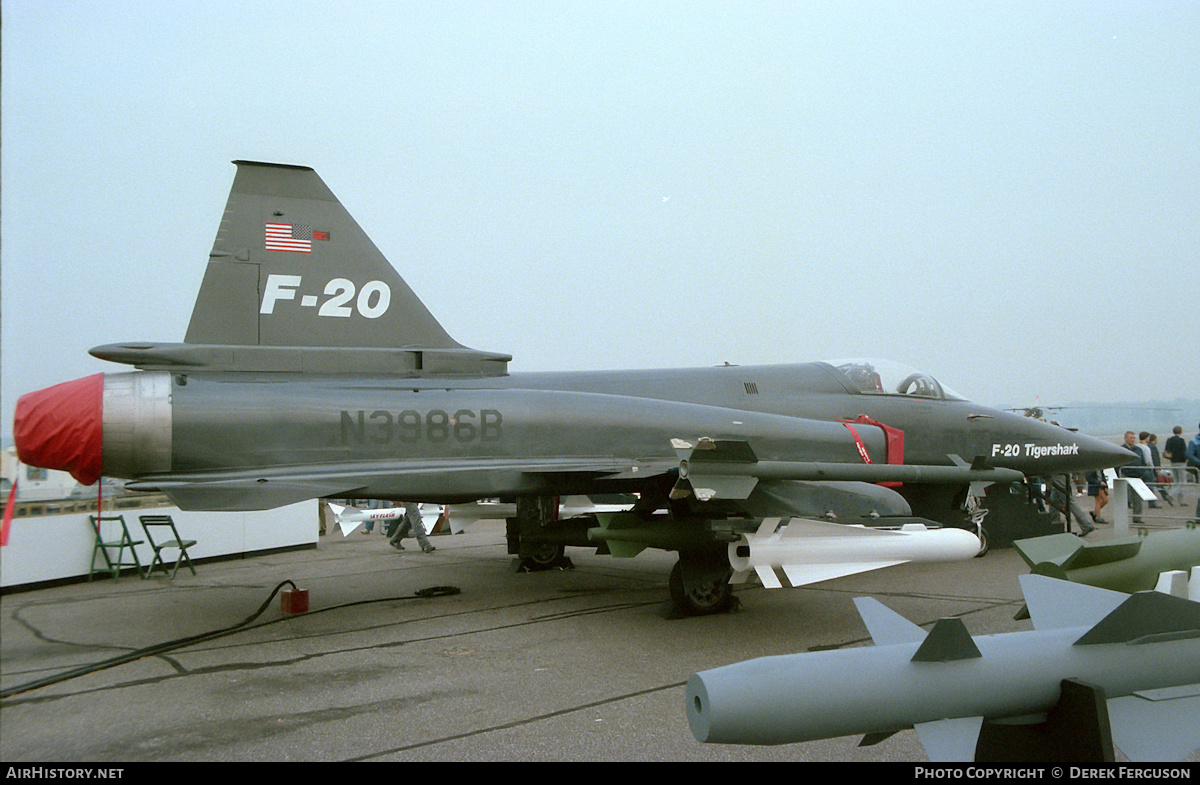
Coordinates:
<point>61,428</point>
<point>1098,454</point>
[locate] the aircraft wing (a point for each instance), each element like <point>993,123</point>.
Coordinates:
<point>426,480</point>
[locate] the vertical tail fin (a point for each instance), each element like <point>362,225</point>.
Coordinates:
<point>291,267</point>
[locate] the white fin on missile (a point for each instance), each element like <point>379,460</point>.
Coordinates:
<point>767,527</point>
<point>1176,584</point>
<point>804,574</point>
<point>1058,604</point>
<point>337,511</point>
<point>1157,725</point>
<point>767,575</point>
<point>885,626</point>
<point>952,740</point>
<point>807,527</point>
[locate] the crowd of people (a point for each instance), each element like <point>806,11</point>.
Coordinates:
<point>1164,470</point>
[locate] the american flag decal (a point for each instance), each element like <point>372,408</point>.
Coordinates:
<point>296,238</point>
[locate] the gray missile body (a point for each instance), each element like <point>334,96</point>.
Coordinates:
<point>1143,652</point>
<point>1127,564</point>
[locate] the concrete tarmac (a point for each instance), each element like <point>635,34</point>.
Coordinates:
<point>573,665</point>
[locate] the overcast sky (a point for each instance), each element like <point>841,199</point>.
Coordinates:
<point>1005,194</point>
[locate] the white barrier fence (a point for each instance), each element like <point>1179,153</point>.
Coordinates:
<point>45,548</point>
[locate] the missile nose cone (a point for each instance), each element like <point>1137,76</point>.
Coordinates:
<point>61,428</point>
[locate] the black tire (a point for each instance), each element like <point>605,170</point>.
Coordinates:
<point>546,554</point>
<point>706,592</point>
<point>984,543</point>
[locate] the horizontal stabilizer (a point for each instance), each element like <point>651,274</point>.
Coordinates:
<point>1157,725</point>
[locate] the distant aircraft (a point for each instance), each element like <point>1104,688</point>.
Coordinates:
<point>311,370</point>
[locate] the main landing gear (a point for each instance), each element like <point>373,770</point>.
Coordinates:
<point>531,540</point>
<point>699,584</point>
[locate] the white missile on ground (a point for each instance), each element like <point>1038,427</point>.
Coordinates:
<point>809,551</point>
<point>1136,659</point>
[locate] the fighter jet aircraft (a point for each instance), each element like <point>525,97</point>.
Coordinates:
<point>310,369</point>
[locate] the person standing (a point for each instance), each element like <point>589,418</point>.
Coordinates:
<point>1193,460</point>
<point>411,522</point>
<point>1150,454</point>
<point>1175,451</point>
<point>1062,501</point>
<point>1098,490</point>
<point>1134,469</point>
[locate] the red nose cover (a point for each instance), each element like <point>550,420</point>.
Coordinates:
<point>60,427</point>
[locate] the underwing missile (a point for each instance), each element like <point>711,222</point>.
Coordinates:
<point>809,551</point>
<point>348,518</point>
<point>1138,655</point>
<point>1127,564</point>
<point>730,469</point>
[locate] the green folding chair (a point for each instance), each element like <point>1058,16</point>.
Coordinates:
<point>111,534</point>
<point>162,523</point>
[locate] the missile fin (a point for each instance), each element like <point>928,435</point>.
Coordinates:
<point>768,577</point>
<point>1056,549</point>
<point>804,574</point>
<point>739,577</point>
<point>871,739</point>
<point>1057,604</point>
<point>625,550</point>
<point>1070,553</point>
<point>337,511</point>
<point>952,740</point>
<point>767,527</point>
<point>1174,582</point>
<point>947,641</point>
<point>1157,725</point>
<point>808,527</point>
<point>885,626</point>
<point>1146,617</point>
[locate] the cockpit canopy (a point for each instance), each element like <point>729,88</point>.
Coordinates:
<point>885,377</point>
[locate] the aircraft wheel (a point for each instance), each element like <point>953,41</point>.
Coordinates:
<point>702,591</point>
<point>984,545</point>
<point>546,554</point>
<point>543,556</point>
